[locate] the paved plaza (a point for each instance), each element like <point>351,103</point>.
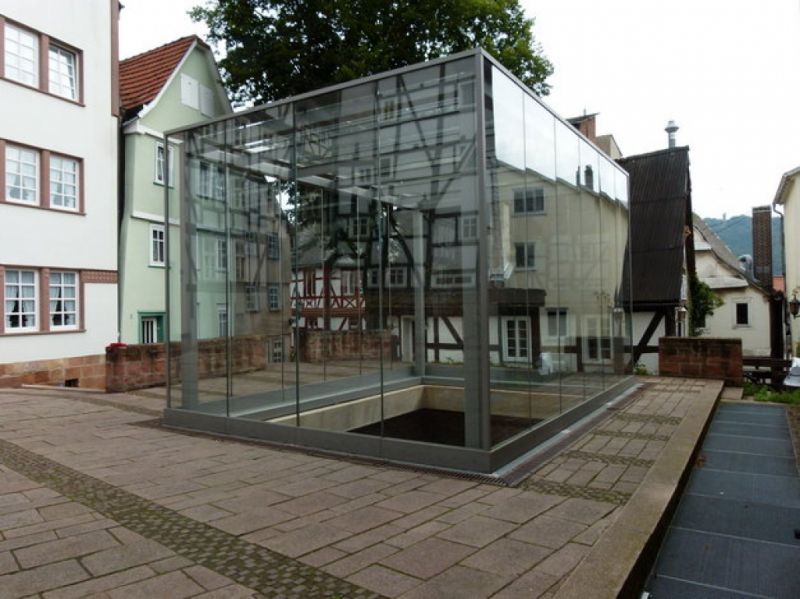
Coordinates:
<point>97,499</point>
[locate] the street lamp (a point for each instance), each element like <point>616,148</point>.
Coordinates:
<point>680,319</point>
<point>794,306</point>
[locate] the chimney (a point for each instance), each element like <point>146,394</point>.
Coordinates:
<point>671,128</point>
<point>762,245</point>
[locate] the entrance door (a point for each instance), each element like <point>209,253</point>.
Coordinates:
<point>516,339</point>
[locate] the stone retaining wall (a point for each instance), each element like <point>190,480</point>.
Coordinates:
<point>345,345</point>
<point>701,358</point>
<point>78,371</point>
<point>139,366</point>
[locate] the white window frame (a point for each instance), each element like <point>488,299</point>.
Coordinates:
<point>276,351</point>
<point>157,245</point>
<point>206,100</point>
<point>273,246</point>
<point>251,297</point>
<point>18,172</point>
<point>469,227</point>
<point>158,172</point>
<point>222,320</point>
<point>529,255</point>
<point>62,287</point>
<point>64,84</point>
<point>59,174</point>
<point>348,282</point>
<point>396,282</point>
<point>20,313</point>
<point>517,345</point>
<point>559,316</point>
<point>220,255</point>
<point>532,199</point>
<point>152,321</point>
<point>13,48</point>
<point>274,296</point>
<point>445,280</point>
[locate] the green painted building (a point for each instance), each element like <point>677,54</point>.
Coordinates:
<point>170,86</point>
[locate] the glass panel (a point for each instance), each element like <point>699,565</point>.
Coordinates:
<point>330,269</point>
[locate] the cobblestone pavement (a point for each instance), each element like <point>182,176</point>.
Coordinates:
<point>92,504</point>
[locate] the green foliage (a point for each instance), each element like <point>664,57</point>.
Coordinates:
<point>641,370</point>
<point>279,48</point>
<point>764,393</point>
<point>703,302</point>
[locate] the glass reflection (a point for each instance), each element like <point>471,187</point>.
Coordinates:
<point>346,263</point>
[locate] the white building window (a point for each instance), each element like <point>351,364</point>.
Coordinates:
<point>21,55</point>
<point>277,351</point>
<point>516,340</point>
<point>63,69</point>
<point>251,297</point>
<point>349,281</point>
<point>22,175</point>
<point>452,279</point>
<point>21,300</point>
<point>221,255</point>
<point>64,175</point>
<point>206,100</point>
<point>525,255</point>
<point>557,322</point>
<point>157,246</point>
<point>274,296</point>
<point>273,246</point>
<point>529,201</point>
<point>190,94</point>
<point>159,167</point>
<point>222,320</point>
<point>469,228</point>
<point>396,276</point>
<point>63,300</point>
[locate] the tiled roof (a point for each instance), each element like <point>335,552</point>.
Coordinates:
<point>141,77</point>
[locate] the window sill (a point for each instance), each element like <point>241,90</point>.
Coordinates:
<point>161,184</point>
<point>39,207</point>
<point>151,265</point>
<point>41,91</point>
<point>537,213</point>
<point>36,333</point>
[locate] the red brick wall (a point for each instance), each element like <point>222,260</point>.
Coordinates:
<point>139,366</point>
<point>344,345</point>
<point>701,358</point>
<point>90,372</point>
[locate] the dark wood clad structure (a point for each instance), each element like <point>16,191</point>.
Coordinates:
<point>661,239</point>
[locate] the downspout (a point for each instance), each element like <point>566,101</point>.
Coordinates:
<point>120,218</point>
<point>789,350</point>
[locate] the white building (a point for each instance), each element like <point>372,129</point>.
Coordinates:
<point>745,311</point>
<point>58,206</point>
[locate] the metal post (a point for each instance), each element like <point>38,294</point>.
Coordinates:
<point>476,303</point>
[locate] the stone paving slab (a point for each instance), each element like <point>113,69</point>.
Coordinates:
<point>216,517</point>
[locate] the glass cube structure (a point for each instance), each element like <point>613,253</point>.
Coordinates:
<point>422,266</point>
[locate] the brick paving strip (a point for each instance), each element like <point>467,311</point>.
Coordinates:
<point>253,566</point>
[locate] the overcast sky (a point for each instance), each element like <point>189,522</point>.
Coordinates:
<point>725,70</point>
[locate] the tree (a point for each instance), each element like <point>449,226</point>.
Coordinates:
<point>280,48</point>
<point>703,302</point>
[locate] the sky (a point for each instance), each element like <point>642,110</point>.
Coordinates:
<point>725,70</point>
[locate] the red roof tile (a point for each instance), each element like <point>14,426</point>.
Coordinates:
<point>141,77</point>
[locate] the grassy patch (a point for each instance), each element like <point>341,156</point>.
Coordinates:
<point>764,393</point>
